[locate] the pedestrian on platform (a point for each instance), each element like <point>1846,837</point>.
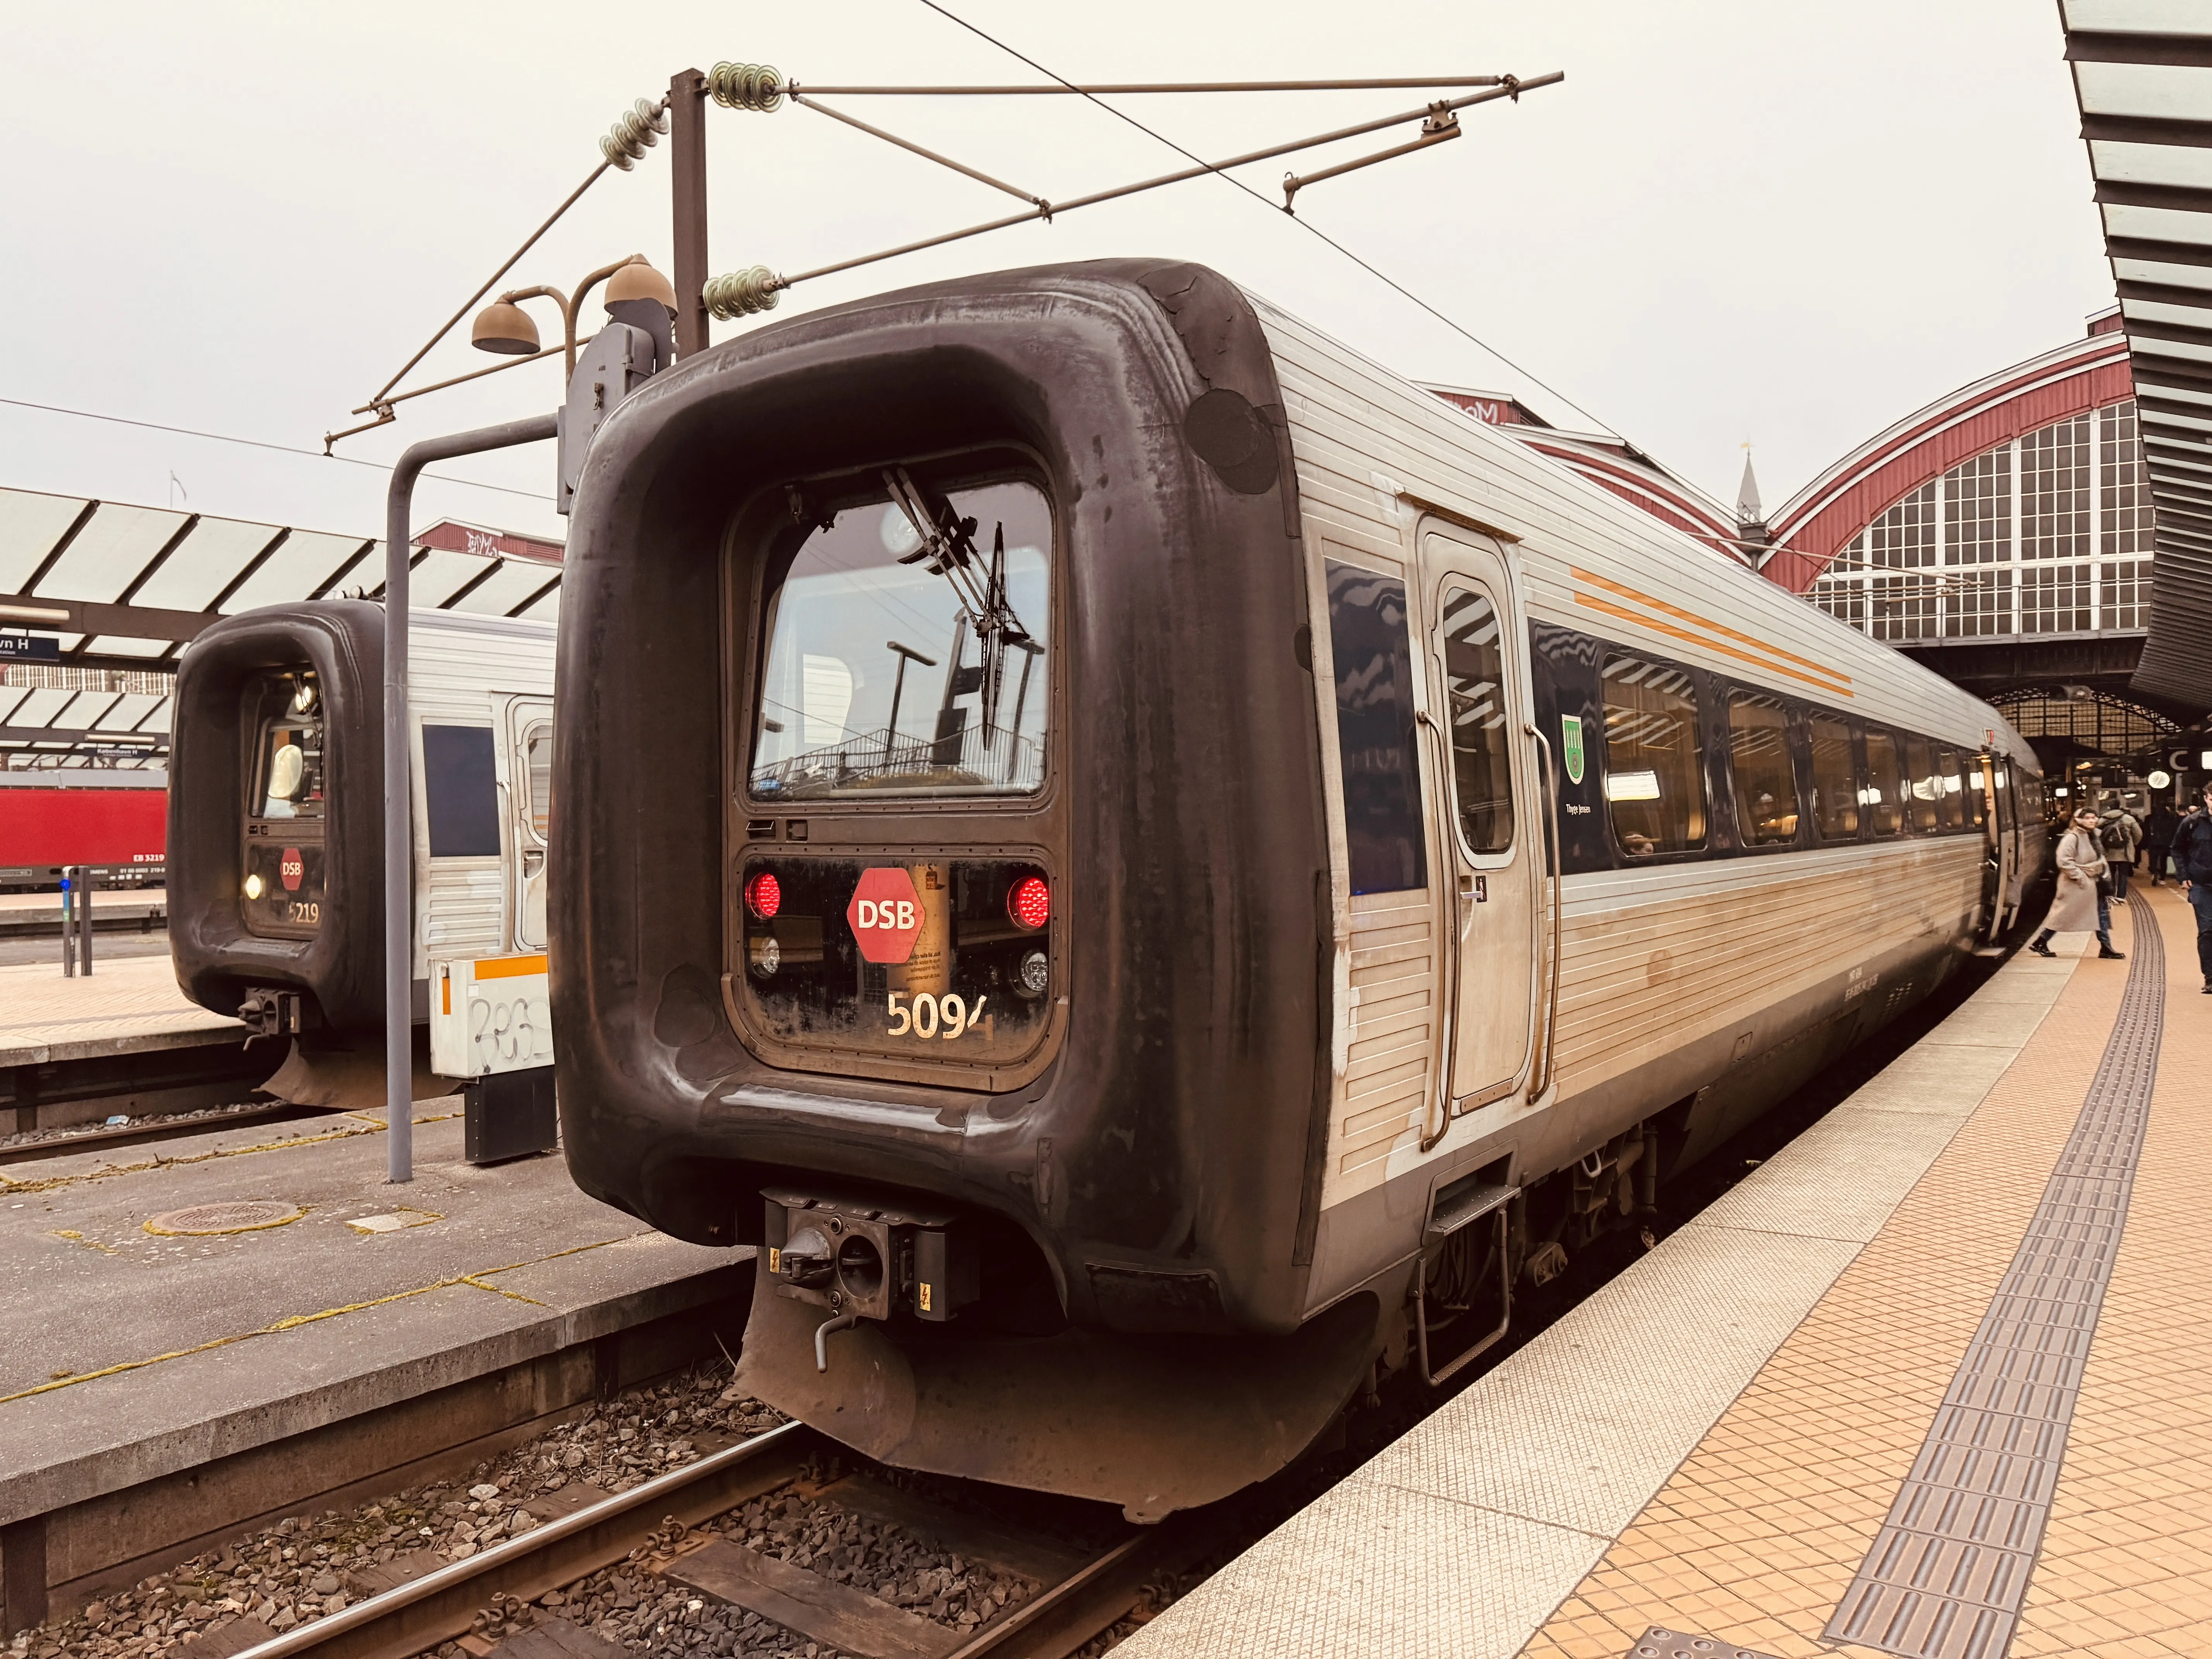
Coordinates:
<point>2157,839</point>
<point>2121,835</point>
<point>2079,903</point>
<point>2192,862</point>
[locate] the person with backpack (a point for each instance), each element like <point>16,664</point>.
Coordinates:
<point>2120,837</point>
<point>2192,862</point>
<point>2079,903</point>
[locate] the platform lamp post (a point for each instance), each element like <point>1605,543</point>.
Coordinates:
<point>398,816</point>
<point>636,294</point>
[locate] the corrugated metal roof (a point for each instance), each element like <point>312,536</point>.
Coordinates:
<point>2143,78</point>
<point>139,581</point>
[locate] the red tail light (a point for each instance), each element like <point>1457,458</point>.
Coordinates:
<point>1030,902</point>
<point>764,895</point>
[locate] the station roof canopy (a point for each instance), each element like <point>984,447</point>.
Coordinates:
<point>114,586</point>
<point>2142,75</point>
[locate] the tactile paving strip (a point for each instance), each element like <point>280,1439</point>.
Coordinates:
<point>1949,1569</point>
<point>1660,1643</point>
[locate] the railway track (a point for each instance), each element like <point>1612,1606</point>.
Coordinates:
<point>156,1127</point>
<point>664,1530</point>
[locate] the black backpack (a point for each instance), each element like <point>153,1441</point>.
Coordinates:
<point>2114,837</point>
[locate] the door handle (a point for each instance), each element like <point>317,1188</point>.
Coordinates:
<point>1438,1106</point>
<point>1541,1079</point>
<point>532,861</point>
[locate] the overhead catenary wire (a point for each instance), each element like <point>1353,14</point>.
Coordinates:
<point>259,443</point>
<point>1311,229</point>
<point>1402,82</point>
<point>625,142</point>
<point>725,301</point>
<point>908,145</point>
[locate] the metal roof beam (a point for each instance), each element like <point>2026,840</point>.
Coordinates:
<point>2145,130</point>
<point>535,597</point>
<point>2180,406</point>
<point>2116,47</point>
<point>2163,294</point>
<point>139,743</point>
<point>2178,198</point>
<point>2158,252</point>
<point>2183,332</point>
<point>128,622</point>
<point>2174,371</point>
<point>130,588</point>
<point>61,546</point>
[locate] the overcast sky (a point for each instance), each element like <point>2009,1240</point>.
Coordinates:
<point>1737,220</point>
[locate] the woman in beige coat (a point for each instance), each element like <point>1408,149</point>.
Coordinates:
<point>2078,905</point>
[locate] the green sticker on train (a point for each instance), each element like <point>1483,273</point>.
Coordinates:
<point>1570,746</point>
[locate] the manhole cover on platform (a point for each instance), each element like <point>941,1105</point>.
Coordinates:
<point>202,1219</point>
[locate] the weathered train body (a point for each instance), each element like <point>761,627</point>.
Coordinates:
<point>276,821</point>
<point>1158,869</point>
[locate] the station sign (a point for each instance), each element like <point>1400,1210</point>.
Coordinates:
<point>30,647</point>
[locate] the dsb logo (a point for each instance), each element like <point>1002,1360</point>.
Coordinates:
<point>884,915</point>
<point>291,866</point>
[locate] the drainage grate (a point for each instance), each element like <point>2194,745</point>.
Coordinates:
<point>1949,1569</point>
<point>246,1216</point>
<point>1660,1643</point>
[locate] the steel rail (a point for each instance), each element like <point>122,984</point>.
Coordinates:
<point>412,1617</point>
<point>153,1127</point>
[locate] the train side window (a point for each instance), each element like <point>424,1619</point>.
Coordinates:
<point>1951,804</point>
<point>1766,773</point>
<point>1884,795</point>
<point>1923,787</point>
<point>1976,798</point>
<point>1370,636</point>
<point>460,792</point>
<point>1835,779</point>
<point>538,761</point>
<point>1474,690</point>
<point>1655,773</point>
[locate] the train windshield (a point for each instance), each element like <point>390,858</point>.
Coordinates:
<point>907,649</point>
<point>289,775</point>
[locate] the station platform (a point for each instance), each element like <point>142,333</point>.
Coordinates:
<point>122,906</point>
<point>125,1006</point>
<point>1928,1382</point>
<point>212,1330</point>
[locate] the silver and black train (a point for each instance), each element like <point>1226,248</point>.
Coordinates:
<point>1160,869</point>
<point>276,823</point>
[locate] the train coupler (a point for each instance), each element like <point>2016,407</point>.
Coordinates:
<point>869,1259</point>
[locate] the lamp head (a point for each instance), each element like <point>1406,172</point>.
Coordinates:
<point>639,281</point>
<point>504,327</point>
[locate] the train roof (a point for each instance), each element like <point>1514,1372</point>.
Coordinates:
<point>1373,446</point>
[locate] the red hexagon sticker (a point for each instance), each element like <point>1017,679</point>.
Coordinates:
<point>885,914</point>
<point>291,866</point>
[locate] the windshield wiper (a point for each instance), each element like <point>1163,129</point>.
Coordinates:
<point>948,544</point>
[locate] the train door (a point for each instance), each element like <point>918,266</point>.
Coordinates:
<point>530,807</point>
<point>1996,869</point>
<point>1492,844</point>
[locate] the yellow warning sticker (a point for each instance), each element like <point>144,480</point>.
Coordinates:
<point>921,1291</point>
<point>774,1260</point>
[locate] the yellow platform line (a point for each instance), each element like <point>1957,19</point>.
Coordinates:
<point>54,1183</point>
<point>295,1321</point>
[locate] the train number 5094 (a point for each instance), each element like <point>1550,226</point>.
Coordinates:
<point>928,1016</point>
